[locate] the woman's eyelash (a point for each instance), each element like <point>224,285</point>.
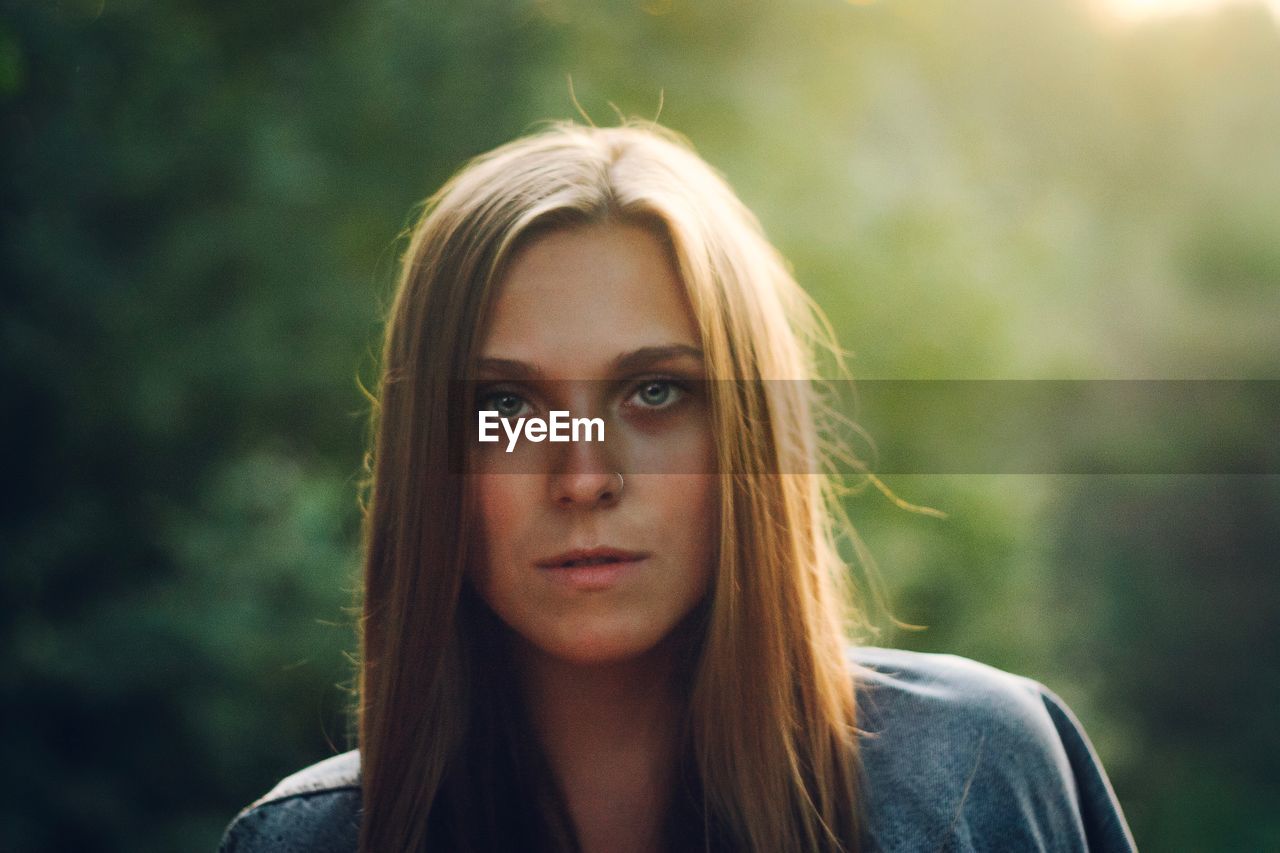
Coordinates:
<point>486,396</point>
<point>675,385</point>
<point>680,394</point>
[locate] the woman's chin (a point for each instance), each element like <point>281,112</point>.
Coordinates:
<point>597,647</point>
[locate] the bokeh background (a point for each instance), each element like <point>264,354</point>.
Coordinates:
<point>199,224</point>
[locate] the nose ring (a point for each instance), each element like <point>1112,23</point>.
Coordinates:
<point>621,482</point>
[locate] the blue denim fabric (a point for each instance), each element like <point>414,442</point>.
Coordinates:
<point>961,756</point>
<point>956,756</point>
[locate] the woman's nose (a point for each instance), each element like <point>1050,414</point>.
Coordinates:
<point>586,489</point>
<point>585,475</point>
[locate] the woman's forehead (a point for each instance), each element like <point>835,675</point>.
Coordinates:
<point>573,303</point>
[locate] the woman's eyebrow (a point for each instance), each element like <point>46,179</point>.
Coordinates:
<point>635,360</point>
<point>509,367</point>
<point>647,356</point>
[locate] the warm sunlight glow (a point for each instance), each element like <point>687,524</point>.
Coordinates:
<point>1133,11</point>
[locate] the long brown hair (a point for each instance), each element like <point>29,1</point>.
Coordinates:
<point>770,748</point>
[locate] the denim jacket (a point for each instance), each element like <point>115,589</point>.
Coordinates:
<point>956,755</point>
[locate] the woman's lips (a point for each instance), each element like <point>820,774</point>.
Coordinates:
<point>590,556</point>
<point>591,568</point>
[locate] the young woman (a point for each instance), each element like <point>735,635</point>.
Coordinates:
<point>639,643</point>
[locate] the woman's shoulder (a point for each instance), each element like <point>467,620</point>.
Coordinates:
<point>950,693</point>
<point>955,754</point>
<point>954,750</point>
<point>315,809</point>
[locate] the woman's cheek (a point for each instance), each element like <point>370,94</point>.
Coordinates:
<point>503,505</point>
<point>692,512</point>
<point>665,444</point>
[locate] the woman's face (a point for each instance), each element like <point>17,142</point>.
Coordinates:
<point>594,321</point>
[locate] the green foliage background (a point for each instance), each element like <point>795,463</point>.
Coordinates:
<point>200,211</point>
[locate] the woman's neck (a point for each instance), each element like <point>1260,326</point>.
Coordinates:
<point>609,732</point>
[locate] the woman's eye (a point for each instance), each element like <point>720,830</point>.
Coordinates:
<point>506,404</point>
<point>657,394</point>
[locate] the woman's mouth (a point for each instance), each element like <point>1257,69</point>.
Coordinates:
<point>590,557</point>
<point>591,568</point>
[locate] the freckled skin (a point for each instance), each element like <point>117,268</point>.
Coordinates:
<point>570,303</point>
